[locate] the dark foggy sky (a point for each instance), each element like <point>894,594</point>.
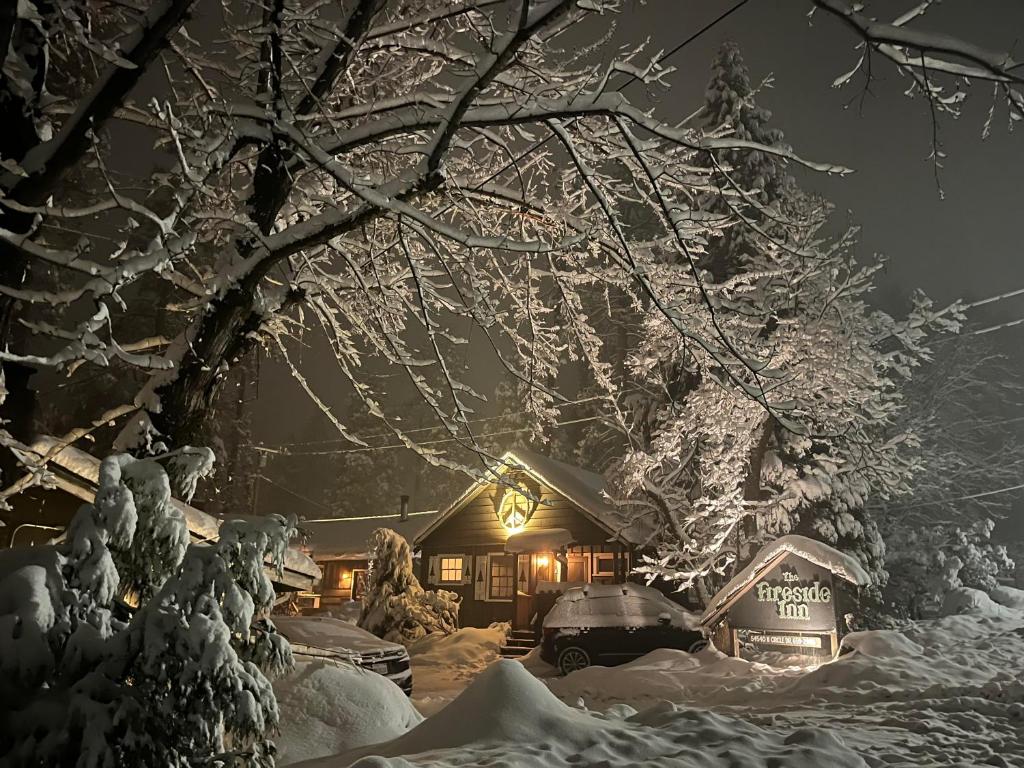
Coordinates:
<point>967,245</point>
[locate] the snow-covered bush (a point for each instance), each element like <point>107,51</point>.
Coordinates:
<point>926,564</point>
<point>395,606</point>
<point>182,680</point>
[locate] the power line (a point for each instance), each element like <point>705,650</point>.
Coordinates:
<point>393,446</point>
<point>664,57</point>
<point>390,516</point>
<point>1008,489</point>
<point>420,429</point>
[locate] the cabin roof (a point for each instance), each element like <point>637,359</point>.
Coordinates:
<point>77,473</point>
<point>582,487</point>
<point>347,538</point>
<point>839,563</point>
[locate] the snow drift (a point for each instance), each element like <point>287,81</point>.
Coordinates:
<point>328,708</point>
<point>509,718</point>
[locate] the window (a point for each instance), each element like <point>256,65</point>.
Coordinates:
<point>358,584</point>
<point>451,569</point>
<point>502,578</point>
<point>604,565</point>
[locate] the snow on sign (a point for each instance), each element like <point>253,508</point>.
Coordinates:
<point>793,598</point>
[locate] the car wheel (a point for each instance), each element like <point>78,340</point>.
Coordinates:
<point>698,646</point>
<point>572,658</point>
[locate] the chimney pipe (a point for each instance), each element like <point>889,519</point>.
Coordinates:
<point>404,507</point>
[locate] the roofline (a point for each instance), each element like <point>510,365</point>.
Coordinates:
<point>201,525</point>
<point>713,618</point>
<point>501,467</point>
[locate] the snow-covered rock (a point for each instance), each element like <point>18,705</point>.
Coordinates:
<point>329,708</point>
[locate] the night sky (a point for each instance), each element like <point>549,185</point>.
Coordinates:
<point>967,245</point>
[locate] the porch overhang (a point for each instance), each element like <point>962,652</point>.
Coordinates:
<point>540,540</point>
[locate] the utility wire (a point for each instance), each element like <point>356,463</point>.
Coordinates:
<point>363,449</point>
<point>1008,489</point>
<point>389,516</point>
<point>418,429</point>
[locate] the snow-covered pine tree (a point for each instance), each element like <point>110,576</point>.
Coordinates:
<point>786,426</point>
<point>395,606</point>
<point>86,683</point>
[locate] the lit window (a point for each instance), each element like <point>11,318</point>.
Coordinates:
<point>502,578</point>
<point>451,570</point>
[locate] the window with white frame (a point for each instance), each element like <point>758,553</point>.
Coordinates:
<point>451,569</point>
<point>501,581</point>
<point>604,564</point>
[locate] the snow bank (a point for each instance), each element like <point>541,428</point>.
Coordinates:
<point>1008,596</point>
<point>974,601</point>
<point>443,665</point>
<point>672,675</point>
<point>327,709</point>
<point>507,717</point>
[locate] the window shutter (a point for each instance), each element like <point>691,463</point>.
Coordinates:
<point>433,577</point>
<point>480,580</point>
<point>467,569</point>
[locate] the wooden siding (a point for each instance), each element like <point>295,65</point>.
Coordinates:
<point>477,524</point>
<point>474,531</point>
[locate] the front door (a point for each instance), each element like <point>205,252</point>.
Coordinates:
<point>531,569</point>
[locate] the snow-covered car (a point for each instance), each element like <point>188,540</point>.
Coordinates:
<point>323,637</point>
<point>611,624</point>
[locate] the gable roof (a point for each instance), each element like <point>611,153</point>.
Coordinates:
<point>583,488</point>
<point>346,538</point>
<point>839,563</point>
<point>77,473</point>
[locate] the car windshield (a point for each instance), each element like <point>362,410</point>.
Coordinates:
<point>616,606</point>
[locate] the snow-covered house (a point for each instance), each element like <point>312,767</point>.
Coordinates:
<point>794,597</point>
<point>40,513</point>
<point>506,545</point>
<point>339,547</point>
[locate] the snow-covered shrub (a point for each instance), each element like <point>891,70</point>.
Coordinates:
<point>183,680</point>
<point>926,564</point>
<point>395,606</point>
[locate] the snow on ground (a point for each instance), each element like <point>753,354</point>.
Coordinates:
<point>508,718</point>
<point>329,708</point>
<point>443,665</point>
<point>945,693</point>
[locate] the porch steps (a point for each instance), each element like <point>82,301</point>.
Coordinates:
<point>518,643</point>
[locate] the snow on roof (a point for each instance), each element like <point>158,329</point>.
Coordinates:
<point>202,526</point>
<point>347,538</point>
<point>584,488</point>
<point>540,540</point>
<point>841,564</point>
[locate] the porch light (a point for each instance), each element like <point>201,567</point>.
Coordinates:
<point>542,561</point>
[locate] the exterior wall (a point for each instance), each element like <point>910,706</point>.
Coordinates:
<point>340,581</point>
<point>475,534</point>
